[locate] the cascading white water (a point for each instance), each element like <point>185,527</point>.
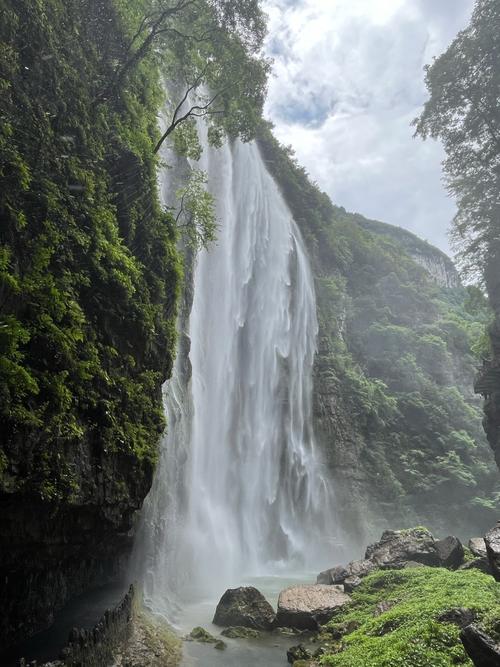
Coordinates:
<point>240,488</point>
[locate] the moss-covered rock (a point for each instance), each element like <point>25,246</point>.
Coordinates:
<point>418,627</point>
<point>239,632</point>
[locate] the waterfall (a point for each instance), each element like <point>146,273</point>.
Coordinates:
<point>240,489</point>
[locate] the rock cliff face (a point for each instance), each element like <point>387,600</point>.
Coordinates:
<point>436,263</point>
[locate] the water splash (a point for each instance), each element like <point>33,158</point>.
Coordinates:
<point>240,489</point>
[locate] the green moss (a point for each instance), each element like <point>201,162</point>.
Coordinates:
<point>89,272</point>
<point>409,633</point>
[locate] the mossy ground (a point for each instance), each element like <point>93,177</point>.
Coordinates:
<point>409,633</point>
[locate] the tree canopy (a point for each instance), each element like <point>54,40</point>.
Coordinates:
<point>463,111</point>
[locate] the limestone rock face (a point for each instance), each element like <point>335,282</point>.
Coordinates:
<point>399,546</point>
<point>478,547</point>
<point>492,541</point>
<point>308,607</point>
<point>450,552</point>
<point>245,607</point>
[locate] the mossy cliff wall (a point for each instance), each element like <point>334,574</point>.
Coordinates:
<point>89,277</point>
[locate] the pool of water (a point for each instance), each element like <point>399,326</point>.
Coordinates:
<point>268,651</point>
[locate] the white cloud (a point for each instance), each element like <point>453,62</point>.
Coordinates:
<point>348,81</point>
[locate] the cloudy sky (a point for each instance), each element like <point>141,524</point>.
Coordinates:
<point>348,80</point>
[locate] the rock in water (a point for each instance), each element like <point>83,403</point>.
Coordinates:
<point>245,607</point>
<point>480,648</point>
<point>478,547</point>
<point>308,607</point>
<point>238,632</point>
<point>492,541</point>
<point>399,546</point>
<point>450,552</point>
<point>295,653</point>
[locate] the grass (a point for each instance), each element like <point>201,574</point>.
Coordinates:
<point>409,633</point>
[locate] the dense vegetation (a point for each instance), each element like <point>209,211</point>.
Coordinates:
<point>407,629</point>
<point>397,357</point>
<point>463,111</point>
<point>89,271</point>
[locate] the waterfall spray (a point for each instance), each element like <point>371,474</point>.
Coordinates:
<point>240,489</point>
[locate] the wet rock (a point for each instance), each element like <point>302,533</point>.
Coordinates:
<point>308,607</point>
<point>478,547</point>
<point>335,575</point>
<point>481,564</point>
<point>480,648</point>
<point>202,636</point>
<point>396,547</point>
<point>220,645</point>
<point>239,632</point>
<point>492,541</point>
<point>458,616</point>
<point>299,652</point>
<point>245,607</point>
<point>352,582</point>
<point>450,552</point>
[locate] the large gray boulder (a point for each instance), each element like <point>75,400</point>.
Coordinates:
<point>356,569</point>
<point>309,606</point>
<point>478,547</point>
<point>492,541</point>
<point>396,547</point>
<point>481,649</point>
<point>450,551</point>
<point>245,607</point>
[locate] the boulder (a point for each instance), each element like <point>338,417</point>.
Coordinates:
<point>482,564</point>
<point>309,606</point>
<point>299,652</point>
<point>350,583</point>
<point>478,547</point>
<point>202,636</point>
<point>238,632</point>
<point>450,552</point>
<point>360,568</point>
<point>458,616</point>
<point>334,575</point>
<point>245,607</point>
<point>480,648</point>
<point>492,541</point>
<point>399,546</point>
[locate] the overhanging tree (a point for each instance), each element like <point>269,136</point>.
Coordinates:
<point>463,111</point>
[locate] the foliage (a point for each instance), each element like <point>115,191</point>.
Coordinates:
<point>89,272</point>
<point>196,215</point>
<point>397,358</point>
<point>409,632</point>
<point>463,111</point>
